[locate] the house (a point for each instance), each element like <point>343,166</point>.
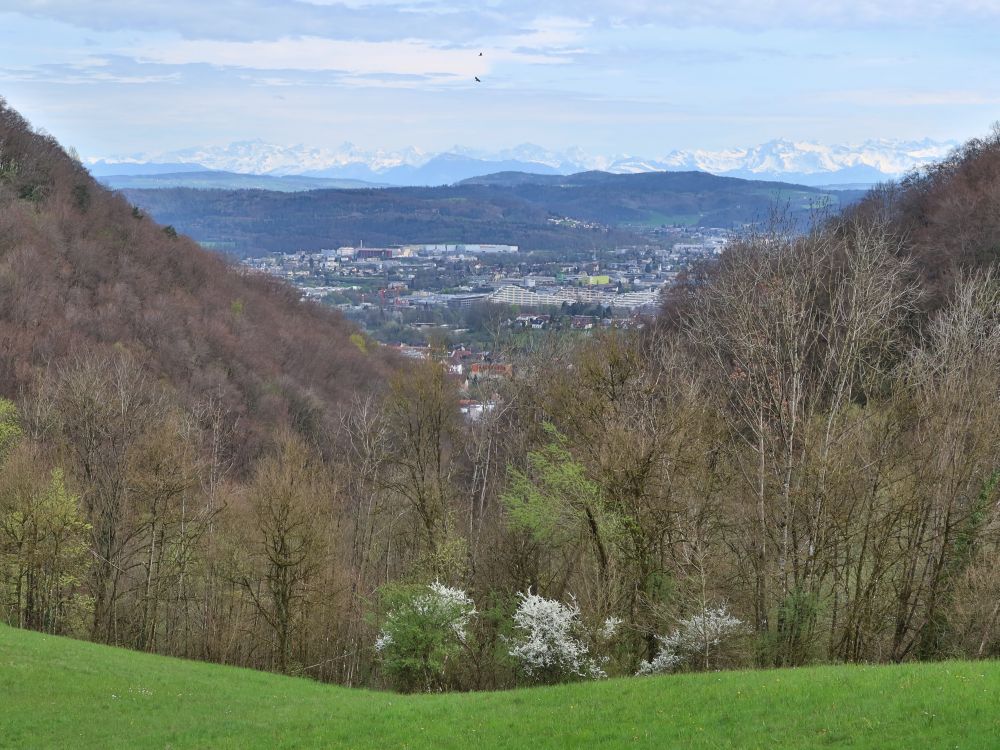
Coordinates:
<point>473,410</point>
<point>487,370</point>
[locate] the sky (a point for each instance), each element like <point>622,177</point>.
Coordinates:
<point>610,76</point>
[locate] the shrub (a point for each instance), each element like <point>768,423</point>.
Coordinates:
<point>424,628</point>
<point>696,641</point>
<point>549,647</point>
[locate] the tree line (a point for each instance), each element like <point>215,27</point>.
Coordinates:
<point>800,442</point>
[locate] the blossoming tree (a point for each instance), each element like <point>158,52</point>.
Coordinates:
<point>424,628</point>
<point>695,641</point>
<point>548,645</point>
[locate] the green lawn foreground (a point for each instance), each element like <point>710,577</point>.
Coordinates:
<point>56,692</point>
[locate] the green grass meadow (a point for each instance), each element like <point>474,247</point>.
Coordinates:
<point>60,693</point>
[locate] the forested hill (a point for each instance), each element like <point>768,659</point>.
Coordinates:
<point>509,207</point>
<point>84,276</point>
<point>664,197</point>
<point>946,218</point>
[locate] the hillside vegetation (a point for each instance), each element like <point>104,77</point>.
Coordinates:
<point>259,222</point>
<point>513,208</point>
<point>83,274</point>
<point>946,216</point>
<point>61,693</point>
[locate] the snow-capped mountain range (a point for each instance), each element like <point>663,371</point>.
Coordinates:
<point>789,161</point>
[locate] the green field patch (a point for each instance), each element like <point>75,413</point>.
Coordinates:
<point>62,693</point>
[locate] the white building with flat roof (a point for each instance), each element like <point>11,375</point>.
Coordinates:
<point>462,249</point>
<point>515,295</point>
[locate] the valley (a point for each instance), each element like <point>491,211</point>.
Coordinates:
<point>336,412</point>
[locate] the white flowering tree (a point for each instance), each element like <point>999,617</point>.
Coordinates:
<point>424,628</point>
<point>547,644</point>
<point>695,641</point>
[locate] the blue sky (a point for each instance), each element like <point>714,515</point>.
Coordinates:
<point>623,76</point>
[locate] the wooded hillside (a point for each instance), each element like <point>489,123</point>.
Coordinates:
<point>83,274</point>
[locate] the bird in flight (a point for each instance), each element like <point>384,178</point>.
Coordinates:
<point>477,79</point>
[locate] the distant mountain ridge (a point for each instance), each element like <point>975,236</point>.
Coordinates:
<point>584,211</point>
<point>799,162</point>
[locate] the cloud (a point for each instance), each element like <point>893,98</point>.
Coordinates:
<point>772,14</point>
<point>89,71</point>
<point>547,33</point>
<point>456,21</point>
<point>913,98</point>
<point>408,57</point>
<point>270,20</point>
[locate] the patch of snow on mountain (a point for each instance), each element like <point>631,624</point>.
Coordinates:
<point>887,157</point>
<point>891,158</point>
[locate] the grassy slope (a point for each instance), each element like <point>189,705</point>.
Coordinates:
<point>56,692</point>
